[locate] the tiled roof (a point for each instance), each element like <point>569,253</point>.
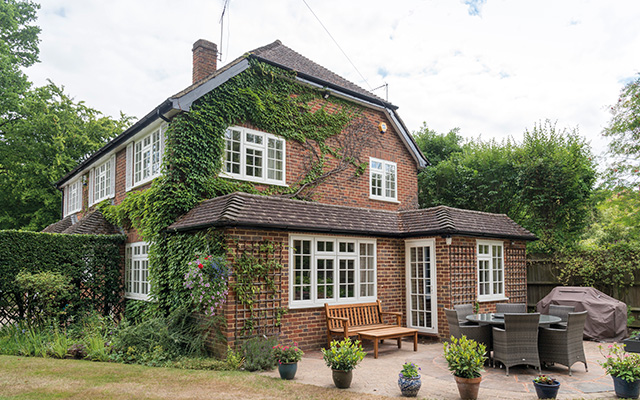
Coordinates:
<point>92,224</point>
<point>60,226</point>
<point>246,210</point>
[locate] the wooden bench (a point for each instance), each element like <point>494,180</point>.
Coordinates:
<point>351,319</point>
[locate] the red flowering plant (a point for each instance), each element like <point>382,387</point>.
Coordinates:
<point>619,363</point>
<point>287,354</point>
<point>208,281</point>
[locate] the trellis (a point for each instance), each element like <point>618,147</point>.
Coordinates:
<point>262,315</point>
<point>516,274</point>
<point>463,274</point>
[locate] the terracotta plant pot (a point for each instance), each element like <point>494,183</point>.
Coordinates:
<point>468,388</point>
<point>342,379</point>
<point>287,370</point>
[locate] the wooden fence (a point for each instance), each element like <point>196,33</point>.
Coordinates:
<point>542,277</point>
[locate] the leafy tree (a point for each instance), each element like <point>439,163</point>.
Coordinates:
<point>544,183</point>
<point>18,48</point>
<point>48,136</point>
<point>438,147</point>
<point>624,131</point>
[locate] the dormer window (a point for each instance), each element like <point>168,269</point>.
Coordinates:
<point>144,158</point>
<point>254,156</point>
<point>383,178</point>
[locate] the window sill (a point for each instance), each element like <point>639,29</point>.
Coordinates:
<point>294,306</point>
<point>134,296</point>
<point>142,183</point>
<point>386,200</point>
<point>100,200</point>
<point>257,181</point>
<point>489,299</point>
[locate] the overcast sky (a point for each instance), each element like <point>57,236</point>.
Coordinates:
<point>492,68</point>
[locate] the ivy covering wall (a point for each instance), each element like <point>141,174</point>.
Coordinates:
<point>271,100</point>
<point>92,264</point>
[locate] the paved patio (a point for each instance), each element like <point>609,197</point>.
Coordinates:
<point>379,376</point>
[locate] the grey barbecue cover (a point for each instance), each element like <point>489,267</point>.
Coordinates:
<point>606,316</point>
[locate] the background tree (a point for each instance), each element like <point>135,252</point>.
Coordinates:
<point>49,136</point>
<point>18,48</point>
<point>544,183</point>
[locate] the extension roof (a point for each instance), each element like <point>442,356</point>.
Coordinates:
<point>269,212</point>
<point>93,223</point>
<point>275,54</point>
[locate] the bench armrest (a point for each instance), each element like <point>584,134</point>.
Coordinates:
<point>397,314</point>
<point>345,323</point>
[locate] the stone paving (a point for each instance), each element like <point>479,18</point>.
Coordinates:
<point>379,376</point>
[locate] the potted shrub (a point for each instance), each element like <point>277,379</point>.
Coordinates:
<point>546,387</point>
<point>409,380</point>
<point>342,357</point>
<point>287,358</point>
<point>624,369</point>
<point>466,358</point>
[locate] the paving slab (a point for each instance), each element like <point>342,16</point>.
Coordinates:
<point>379,376</point>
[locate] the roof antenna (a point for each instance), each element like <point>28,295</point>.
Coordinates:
<point>224,9</point>
<point>386,91</point>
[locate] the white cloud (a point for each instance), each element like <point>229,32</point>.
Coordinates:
<point>493,74</point>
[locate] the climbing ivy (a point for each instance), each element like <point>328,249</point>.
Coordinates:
<point>271,100</point>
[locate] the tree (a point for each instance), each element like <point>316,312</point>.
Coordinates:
<point>624,131</point>
<point>18,48</point>
<point>46,138</point>
<point>544,184</point>
<point>438,147</point>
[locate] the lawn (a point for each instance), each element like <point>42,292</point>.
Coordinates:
<point>47,378</point>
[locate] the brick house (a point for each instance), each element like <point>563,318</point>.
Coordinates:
<point>362,237</point>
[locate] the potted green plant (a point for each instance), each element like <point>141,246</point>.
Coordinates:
<point>546,387</point>
<point>466,358</point>
<point>409,380</point>
<point>342,357</point>
<point>624,369</point>
<point>287,358</point>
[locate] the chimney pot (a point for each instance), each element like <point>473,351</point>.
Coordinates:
<point>205,59</point>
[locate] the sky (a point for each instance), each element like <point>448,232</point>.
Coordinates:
<point>492,68</point>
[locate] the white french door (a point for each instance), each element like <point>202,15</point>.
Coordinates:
<point>421,285</point>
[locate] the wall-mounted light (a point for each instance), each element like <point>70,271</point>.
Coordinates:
<point>447,239</point>
<point>325,95</point>
<point>84,180</point>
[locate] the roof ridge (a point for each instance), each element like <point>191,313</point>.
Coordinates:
<point>269,46</point>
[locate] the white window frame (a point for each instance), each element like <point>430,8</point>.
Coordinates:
<point>378,179</point>
<point>489,261</point>
<point>245,147</point>
<point>364,270</point>
<point>136,271</point>
<point>104,172</point>
<point>73,197</point>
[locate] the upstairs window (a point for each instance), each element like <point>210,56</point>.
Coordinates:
<point>144,158</point>
<point>73,198</point>
<point>490,270</point>
<point>102,181</point>
<point>383,180</point>
<point>254,156</point>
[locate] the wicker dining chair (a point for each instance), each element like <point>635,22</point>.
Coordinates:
<point>464,310</point>
<point>479,333</point>
<point>504,308</point>
<point>564,346</point>
<point>562,312</point>
<point>517,343</point>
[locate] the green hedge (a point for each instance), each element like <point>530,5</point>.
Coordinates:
<point>92,263</point>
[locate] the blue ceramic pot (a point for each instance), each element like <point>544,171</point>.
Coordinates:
<point>626,390</point>
<point>287,370</point>
<point>547,391</point>
<point>409,387</point>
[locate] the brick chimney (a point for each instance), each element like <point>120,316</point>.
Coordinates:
<point>205,59</point>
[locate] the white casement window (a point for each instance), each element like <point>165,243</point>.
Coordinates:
<point>144,158</point>
<point>490,270</point>
<point>73,198</point>
<point>331,270</point>
<point>136,271</point>
<point>383,178</point>
<point>102,181</point>
<point>254,156</point>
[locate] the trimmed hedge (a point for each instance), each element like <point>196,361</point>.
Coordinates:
<point>93,264</point>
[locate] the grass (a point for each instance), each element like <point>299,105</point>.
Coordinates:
<point>48,379</point>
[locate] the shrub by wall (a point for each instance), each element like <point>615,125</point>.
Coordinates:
<point>92,263</point>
